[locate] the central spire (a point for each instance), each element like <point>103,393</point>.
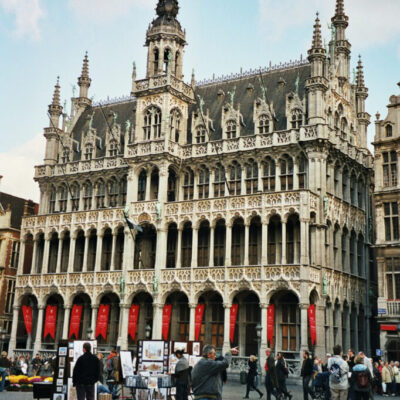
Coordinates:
<point>167,8</point>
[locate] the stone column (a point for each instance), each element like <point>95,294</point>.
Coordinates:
<point>246,261</point>
<point>355,344</point>
<point>283,250</point>
<point>211,252</point>
<point>295,174</point>
<point>192,307</point>
<point>195,186</point>
<point>123,333</point>
<point>129,250</point>
<point>243,182</point>
<point>179,249</point>
<point>20,266</point>
<point>211,185</point>
<point>264,241</point>
<point>346,339</point>
<point>85,252</point>
<point>14,326</point>
<point>99,250</point>
<point>59,254</point>
<point>71,255</point>
<point>161,249</point>
<point>277,176</point>
<point>227,323</point>
<point>304,238</point>
<point>34,267</point>
<point>45,265</point>
<point>228,245</point>
<point>304,327</point>
<point>148,185</point>
<point>114,244</point>
<point>157,321</point>
<point>264,340</point>
<point>93,322</point>
<point>38,337</point>
<point>67,314</point>
<point>260,187</point>
<point>195,233</point>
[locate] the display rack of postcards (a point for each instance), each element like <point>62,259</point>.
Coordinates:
<point>61,372</point>
<point>191,350</point>
<point>152,357</point>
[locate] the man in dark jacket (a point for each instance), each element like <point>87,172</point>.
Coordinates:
<point>206,375</point>
<point>271,380</point>
<point>307,370</point>
<point>86,374</point>
<point>182,373</point>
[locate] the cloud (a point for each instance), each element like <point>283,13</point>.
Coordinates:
<point>372,23</point>
<point>16,166</point>
<point>27,13</point>
<point>105,10</point>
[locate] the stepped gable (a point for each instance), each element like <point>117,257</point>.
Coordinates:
<point>274,93</point>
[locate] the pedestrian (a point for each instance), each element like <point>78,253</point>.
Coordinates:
<point>351,356</point>
<point>393,376</point>
<point>100,356</point>
<point>307,372</point>
<point>396,371</point>
<point>182,375</point>
<point>325,366</point>
<point>23,366</point>
<point>86,374</point>
<point>112,365</point>
<point>282,372</point>
<point>206,375</point>
<point>5,365</point>
<point>338,375</point>
<point>377,380</point>
<point>36,365</point>
<point>360,380</point>
<point>386,379</point>
<point>251,377</point>
<point>271,380</point>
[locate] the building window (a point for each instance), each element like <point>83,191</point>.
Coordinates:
<point>393,278</point>
<point>10,296</point>
<point>113,193</point>
<point>391,221</point>
<point>65,156</point>
<point>302,174</point>
<point>188,185</point>
<point>122,191</point>
<point>289,327</point>
<point>100,194</point>
<point>15,254</point>
<point>87,196</point>
<point>88,152</point>
<point>252,177</point>
<point>200,134</point>
<point>113,148</point>
<point>152,123</point>
<point>219,181</point>
<point>52,201</point>
<point>389,169</point>
<point>231,129</point>
<point>286,172</point>
<point>263,124</point>
<point>204,183</point>
<point>156,123</point>
<point>175,123</point>
<point>343,128</point>
<point>345,185</point>
<point>269,175</point>
<point>63,198</point>
<point>297,119</point>
<point>235,179</point>
<point>142,185</point>
<point>389,130</point>
<point>75,197</point>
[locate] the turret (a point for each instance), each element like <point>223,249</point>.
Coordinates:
<point>166,41</point>
<point>133,79</point>
<point>55,108</point>
<point>84,83</point>
<point>361,95</point>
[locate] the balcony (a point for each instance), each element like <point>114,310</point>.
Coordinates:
<point>393,308</point>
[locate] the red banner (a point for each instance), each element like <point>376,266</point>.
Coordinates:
<point>27,313</point>
<point>133,319</point>
<point>270,324</point>
<point>75,322</point>
<point>50,322</point>
<point>102,320</point>
<point>197,320</point>
<point>234,311</point>
<point>312,323</point>
<point>389,328</point>
<point>166,319</point>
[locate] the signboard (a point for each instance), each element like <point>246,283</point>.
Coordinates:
<point>378,352</point>
<point>389,327</point>
<point>381,310</point>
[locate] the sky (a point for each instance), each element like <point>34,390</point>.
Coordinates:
<point>43,39</point>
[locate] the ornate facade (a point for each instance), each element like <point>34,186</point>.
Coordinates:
<point>250,189</point>
<point>387,247</point>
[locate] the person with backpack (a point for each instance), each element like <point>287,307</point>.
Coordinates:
<point>338,375</point>
<point>360,380</point>
<point>112,372</point>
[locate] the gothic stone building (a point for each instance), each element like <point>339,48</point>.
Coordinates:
<point>252,189</point>
<point>387,204</point>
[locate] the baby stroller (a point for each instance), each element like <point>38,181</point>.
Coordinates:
<point>321,385</point>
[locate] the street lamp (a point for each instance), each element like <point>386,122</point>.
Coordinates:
<point>258,330</point>
<point>148,331</point>
<point>89,332</point>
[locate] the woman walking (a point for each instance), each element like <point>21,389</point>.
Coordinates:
<point>282,373</point>
<point>251,377</point>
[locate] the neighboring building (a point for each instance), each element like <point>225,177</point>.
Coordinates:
<point>11,211</point>
<point>387,221</point>
<point>252,189</point>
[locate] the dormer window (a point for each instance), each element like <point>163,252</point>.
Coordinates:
<point>263,124</point>
<point>88,152</point>
<point>231,129</point>
<point>297,119</point>
<point>113,148</point>
<point>389,130</point>
<point>65,156</point>
<point>200,134</point>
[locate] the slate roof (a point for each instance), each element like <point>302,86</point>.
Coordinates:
<point>17,208</point>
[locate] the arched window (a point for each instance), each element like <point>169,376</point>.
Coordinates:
<point>63,198</point>
<point>75,190</point>
<point>343,128</point>
<point>337,172</point>
<point>113,148</point>
<point>360,193</point>
<point>297,118</point>
<point>286,163</point>
<point>87,195</point>
<point>231,129</point>
<point>263,124</point>
<point>100,194</point>
<point>175,125</point>
<point>269,175</point>
<point>88,152</point>
<point>252,177</point>
<point>200,134</point>
<point>142,185</point>
<point>219,181</point>
<point>177,56</point>
<point>235,179</point>
<point>172,192</point>
<point>204,183</point>
<point>52,201</point>
<point>302,174</point>
<point>353,189</point>
<point>188,185</point>
<point>166,60</point>
<point>389,130</point>
<point>122,190</point>
<point>156,58</point>
<point>345,184</point>
<point>113,192</point>
<point>65,156</point>
<point>152,123</point>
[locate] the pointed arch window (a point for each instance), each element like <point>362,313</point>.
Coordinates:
<point>63,198</point>
<point>152,123</point>
<point>87,196</point>
<point>52,202</point>
<point>204,183</point>
<point>166,60</point>
<point>343,128</point>
<point>156,58</point>
<point>263,124</point>
<point>231,129</point>
<point>252,177</point>
<point>65,155</point>
<point>302,173</point>
<point>100,194</point>
<point>122,190</point>
<point>113,192</point>
<point>88,152</point>
<point>219,181</point>
<point>175,125</point>
<point>297,118</point>
<point>113,148</point>
<point>286,164</point>
<point>75,190</point>
<point>269,175</point>
<point>188,185</point>
<point>389,130</point>
<point>142,185</point>
<point>235,179</point>
<point>200,134</point>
